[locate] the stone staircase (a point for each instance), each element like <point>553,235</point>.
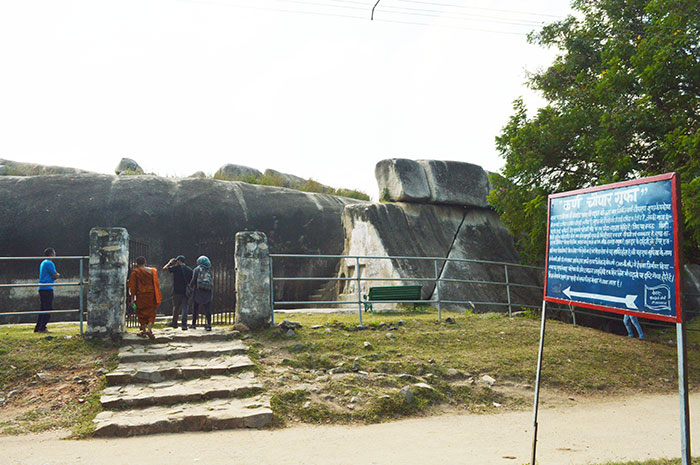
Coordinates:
<point>183,381</point>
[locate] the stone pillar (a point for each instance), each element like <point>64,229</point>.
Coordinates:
<point>106,302</point>
<point>253,306</point>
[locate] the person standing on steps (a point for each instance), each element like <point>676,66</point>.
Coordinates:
<point>47,275</point>
<point>182,275</point>
<point>145,292</point>
<point>630,321</point>
<point>202,285</point>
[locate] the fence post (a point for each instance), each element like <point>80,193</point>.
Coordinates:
<point>252,275</point>
<point>359,288</point>
<point>272,295</point>
<point>510,311</point>
<point>573,314</point>
<point>109,252</point>
<point>80,290</point>
<point>437,289</point>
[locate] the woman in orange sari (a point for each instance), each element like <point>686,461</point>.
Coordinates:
<point>145,291</point>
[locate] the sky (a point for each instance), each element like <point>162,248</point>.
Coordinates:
<point>308,87</point>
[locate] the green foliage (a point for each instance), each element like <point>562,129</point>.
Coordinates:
<point>624,102</point>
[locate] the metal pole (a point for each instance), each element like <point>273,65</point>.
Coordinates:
<point>510,311</point>
<point>272,293</point>
<point>80,289</point>
<point>359,289</point>
<point>573,314</point>
<point>537,383</point>
<point>437,290</point>
<point>683,393</point>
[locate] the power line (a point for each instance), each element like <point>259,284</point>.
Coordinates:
<point>451,5</point>
<point>337,15</point>
<point>443,13</point>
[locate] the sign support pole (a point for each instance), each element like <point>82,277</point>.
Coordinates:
<point>537,383</point>
<point>683,393</point>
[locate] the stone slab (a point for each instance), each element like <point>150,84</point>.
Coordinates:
<point>456,183</point>
<point>186,368</point>
<point>206,416</point>
<point>402,180</point>
<point>178,391</point>
<point>166,335</point>
<point>180,350</point>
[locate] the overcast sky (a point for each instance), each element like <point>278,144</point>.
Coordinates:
<point>308,87</point>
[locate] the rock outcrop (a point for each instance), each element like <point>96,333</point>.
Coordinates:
<point>127,165</point>
<point>433,182</point>
<point>16,168</point>
<point>467,236</point>
<point>287,180</point>
<point>402,180</point>
<point>231,172</point>
<point>173,216</point>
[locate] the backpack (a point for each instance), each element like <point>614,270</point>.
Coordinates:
<point>204,279</point>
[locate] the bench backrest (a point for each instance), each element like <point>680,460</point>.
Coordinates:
<point>395,293</point>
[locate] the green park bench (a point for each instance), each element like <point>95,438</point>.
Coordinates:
<point>393,293</point>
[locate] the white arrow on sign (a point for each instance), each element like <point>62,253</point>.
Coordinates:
<point>628,300</point>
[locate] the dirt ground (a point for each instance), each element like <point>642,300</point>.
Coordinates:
<point>580,432</point>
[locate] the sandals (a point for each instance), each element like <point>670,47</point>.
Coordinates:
<point>151,336</point>
<point>142,334</point>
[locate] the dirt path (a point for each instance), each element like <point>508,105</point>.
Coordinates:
<point>587,432</point>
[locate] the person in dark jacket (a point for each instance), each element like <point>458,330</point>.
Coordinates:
<point>203,291</point>
<point>182,275</point>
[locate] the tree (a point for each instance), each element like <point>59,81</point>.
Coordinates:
<point>623,103</point>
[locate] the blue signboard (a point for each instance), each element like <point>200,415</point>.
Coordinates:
<point>615,248</point>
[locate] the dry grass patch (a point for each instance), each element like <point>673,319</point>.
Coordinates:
<point>332,372</point>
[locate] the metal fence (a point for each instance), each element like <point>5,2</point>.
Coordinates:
<point>690,305</point>
<point>223,272</point>
<point>436,279</point>
<point>81,284</point>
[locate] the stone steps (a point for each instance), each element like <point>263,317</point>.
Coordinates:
<point>168,334</point>
<point>179,350</point>
<point>186,368</point>
<point>185,381</point>
<point>178,391</point>
<point>205,416</point>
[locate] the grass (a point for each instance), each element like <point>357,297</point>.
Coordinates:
<point>328,374</point>
<point>66,394</point>
<point>308,186</point>
<point>401,364</point>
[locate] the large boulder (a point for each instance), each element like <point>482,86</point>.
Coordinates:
<point>17,168</point>
<point>402,180</point>
<point>432,181</point>
<point>174,216</point>
<point>231,172</point>
<point>468,236</point>
<point>456,183</point>
<point>286,180</point>
<point>127,165</point>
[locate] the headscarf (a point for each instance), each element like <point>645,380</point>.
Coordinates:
<point>204,261</point>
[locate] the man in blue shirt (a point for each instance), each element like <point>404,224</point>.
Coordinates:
<point>47,275</point>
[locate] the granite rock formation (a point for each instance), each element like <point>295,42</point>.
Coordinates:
<point>172,216</point>
<point>127,165</point>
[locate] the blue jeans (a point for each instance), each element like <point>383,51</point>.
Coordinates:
<point>629,320</point>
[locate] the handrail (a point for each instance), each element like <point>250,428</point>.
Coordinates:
<point>80,284</point>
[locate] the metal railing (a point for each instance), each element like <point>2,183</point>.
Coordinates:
<point>358,279</point>
<point>80,284</point>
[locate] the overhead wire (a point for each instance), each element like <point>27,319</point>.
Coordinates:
<point>438,13</point>
<point>355,6</point>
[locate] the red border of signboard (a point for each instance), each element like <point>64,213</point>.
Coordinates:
<point>676,247</point>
